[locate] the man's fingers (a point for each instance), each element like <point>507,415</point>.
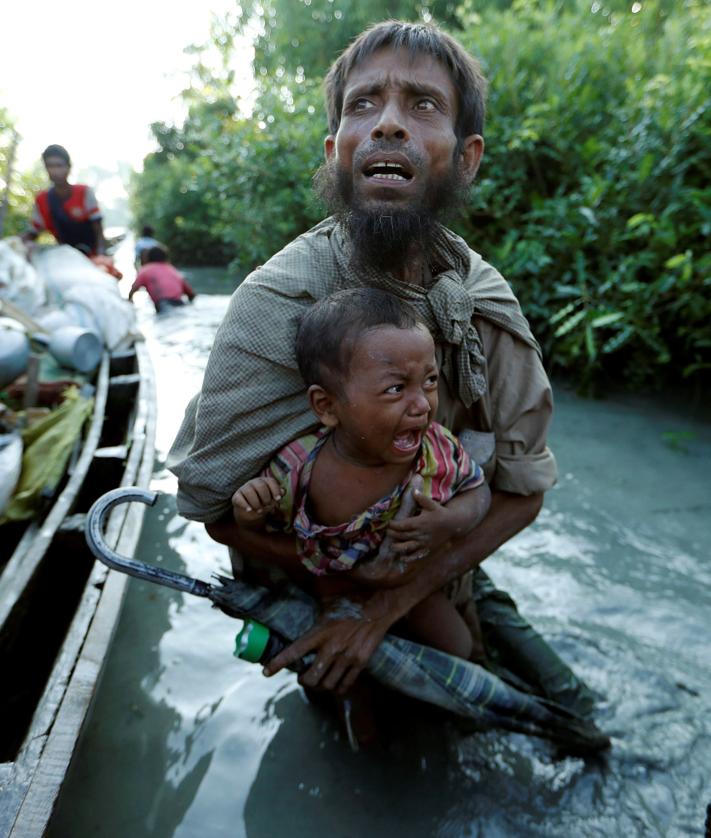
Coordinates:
<point>316,674</point>
<point>349,679</point>
<point>335,674</point>
<point>291,654</point>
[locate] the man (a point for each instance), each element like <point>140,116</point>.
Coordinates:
<point>406,112</point>
<point>69,212</point>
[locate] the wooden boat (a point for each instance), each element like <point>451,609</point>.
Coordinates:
<point>58,606</point>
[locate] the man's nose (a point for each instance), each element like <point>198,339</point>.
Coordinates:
<point>390,124</point>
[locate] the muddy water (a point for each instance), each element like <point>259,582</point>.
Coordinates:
<point>187,741</point>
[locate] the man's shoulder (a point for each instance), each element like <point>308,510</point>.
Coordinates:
<point>307,265</point>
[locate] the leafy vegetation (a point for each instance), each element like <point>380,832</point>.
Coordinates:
<point>593,198</point>
<point>17,196</point>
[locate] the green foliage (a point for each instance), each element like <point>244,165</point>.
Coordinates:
<point>593,198</point>
<point>303,37</point>
<point>22,186</point>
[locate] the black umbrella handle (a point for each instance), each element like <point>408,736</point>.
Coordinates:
<point>94,532</point>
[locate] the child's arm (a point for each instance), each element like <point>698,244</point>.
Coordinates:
<point>416,537</point>
<point>253,501</point>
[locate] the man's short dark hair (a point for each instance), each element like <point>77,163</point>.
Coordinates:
<point>56,151</point>
<point>416,39</point>
<point>328,332</point>
<point>147,231</point>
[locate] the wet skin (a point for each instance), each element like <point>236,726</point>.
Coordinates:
<point>378,420</point>
<point>397,133</point>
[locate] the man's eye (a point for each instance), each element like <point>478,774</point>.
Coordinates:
<point>361,105</point>
<point>426,105</point>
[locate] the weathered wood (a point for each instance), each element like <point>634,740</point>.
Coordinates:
<point>21,567</point>
<point>43,761</point>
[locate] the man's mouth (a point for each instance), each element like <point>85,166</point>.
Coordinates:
<point>387,170</point>
<point>407,441</point>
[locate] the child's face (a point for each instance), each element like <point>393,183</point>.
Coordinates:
<point>390,396</point>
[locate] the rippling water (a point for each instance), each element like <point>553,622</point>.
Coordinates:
<point>187,741</point>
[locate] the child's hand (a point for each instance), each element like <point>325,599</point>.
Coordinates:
<point>252,502</point>
<point>418,536</point>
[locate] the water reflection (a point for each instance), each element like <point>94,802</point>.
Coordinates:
<point>187,741</point>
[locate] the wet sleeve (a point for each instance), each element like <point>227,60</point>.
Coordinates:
<point>521,407</point>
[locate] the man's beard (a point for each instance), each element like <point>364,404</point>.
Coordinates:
<point>386,236</point>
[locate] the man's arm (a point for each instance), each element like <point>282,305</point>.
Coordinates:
<point>343,646</point>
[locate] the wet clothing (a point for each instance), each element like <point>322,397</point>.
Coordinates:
<point>444,465</point>
<point>492,387</point>
<point>164,284</point>
<point>70,221</point>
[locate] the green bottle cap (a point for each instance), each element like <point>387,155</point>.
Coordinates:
<point>251,641</point>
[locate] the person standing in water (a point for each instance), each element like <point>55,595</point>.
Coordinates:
<point>70,212</point>
<point>166,286</point>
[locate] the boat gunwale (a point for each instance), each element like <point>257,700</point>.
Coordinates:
<point>61,712</point>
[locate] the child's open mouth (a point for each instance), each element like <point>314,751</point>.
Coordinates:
<point>407,441</point>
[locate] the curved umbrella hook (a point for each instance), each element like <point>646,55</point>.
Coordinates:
<point>94,533</point>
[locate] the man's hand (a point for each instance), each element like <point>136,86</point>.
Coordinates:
<point>252,502</point>
<point>343,642</point>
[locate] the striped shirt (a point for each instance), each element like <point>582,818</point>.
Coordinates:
<point>444,465</point>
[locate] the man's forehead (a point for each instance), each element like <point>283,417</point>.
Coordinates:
<point>388,67</point>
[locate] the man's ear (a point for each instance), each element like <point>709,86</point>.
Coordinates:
<point>470,155</point>
<point>329,146</point>
<point>322,404</point>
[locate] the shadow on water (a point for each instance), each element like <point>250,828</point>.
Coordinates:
<point>187,741</point>
<point>129,712</point>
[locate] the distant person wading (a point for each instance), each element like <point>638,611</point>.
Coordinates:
<point>166,286</point>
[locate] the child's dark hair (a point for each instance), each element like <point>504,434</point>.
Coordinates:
<point>157,254</point>
<point>147,231</point>
<point>328,331</point>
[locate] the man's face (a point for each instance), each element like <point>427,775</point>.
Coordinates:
<point>57,169</point>
<point>396,143</point>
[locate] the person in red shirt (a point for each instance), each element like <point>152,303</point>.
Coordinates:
<point>70,212</point>
<point>166,286</point>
